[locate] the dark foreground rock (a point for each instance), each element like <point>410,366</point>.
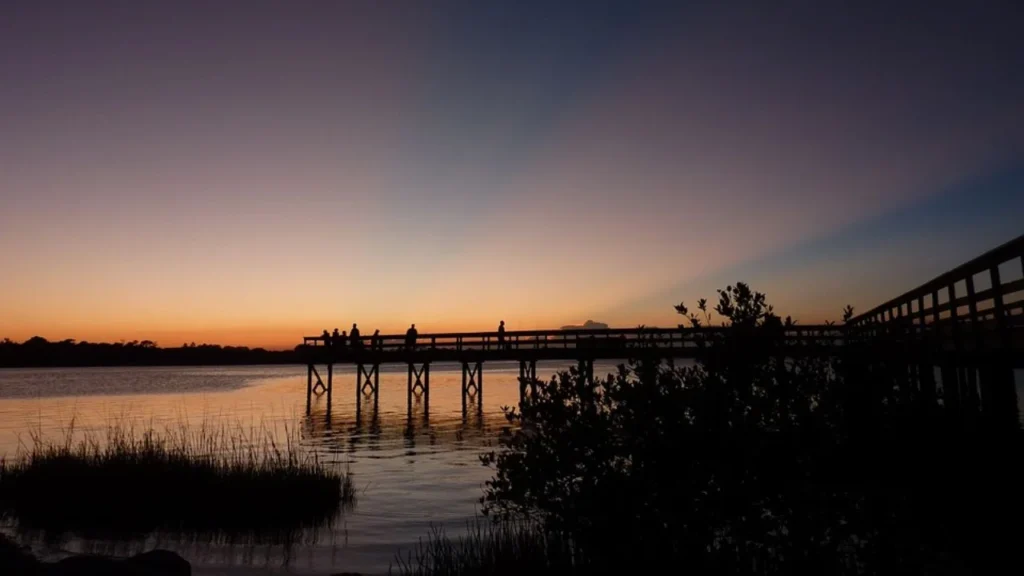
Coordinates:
<point>18,561</point>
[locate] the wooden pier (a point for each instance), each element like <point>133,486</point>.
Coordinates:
<point>969,322</point>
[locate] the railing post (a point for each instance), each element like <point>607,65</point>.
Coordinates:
<point>953,316</point>
<point>998,307</point>
<point>972,310</point>
<point>923,319</point>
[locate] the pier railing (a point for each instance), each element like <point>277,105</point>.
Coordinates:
<point>959,337</point>
<point>973,306</point>
<point>625,339</point>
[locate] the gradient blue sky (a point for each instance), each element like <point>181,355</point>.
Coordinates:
<point>245,172</point>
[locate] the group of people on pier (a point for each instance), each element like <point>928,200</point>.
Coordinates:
<point>354,341</point>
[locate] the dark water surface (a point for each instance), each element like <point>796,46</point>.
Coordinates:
<point>412,472</point>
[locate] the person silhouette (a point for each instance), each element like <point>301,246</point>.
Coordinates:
<point>326,337</point>
<point>501,335</point>
<point>353,337</point>
<point>375,343</point>
<point>343,340</point>
<point>410,337</point>
<point>335,336</point>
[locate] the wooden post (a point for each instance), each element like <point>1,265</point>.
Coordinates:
<point>522,381</point>
<point>330,384</point>
<point>309,387</point>
<point>971,397</point>
<point>465,368</point>
<point>426,389</point>
<point>359,385</point>
<point>409,390</point>
<point>926,384</point>
<point>376,390</point>
<point>950,388</point>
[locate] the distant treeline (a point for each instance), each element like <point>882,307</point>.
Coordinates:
<point>40,352</point>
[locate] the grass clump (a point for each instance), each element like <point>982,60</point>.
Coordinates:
<point>487,548</point>
<point>212,481</point>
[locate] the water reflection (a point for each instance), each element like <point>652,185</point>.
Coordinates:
<point>414,465</point>
<point>367,428</point>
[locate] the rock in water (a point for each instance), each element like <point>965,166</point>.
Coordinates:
<point>159,563</point>
<point>152,563</point>
<point>88,565</point>
<point>16,560</point>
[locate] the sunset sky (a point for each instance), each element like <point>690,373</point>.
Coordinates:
<point>249,172</point>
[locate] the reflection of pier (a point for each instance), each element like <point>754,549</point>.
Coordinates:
<point>969,322</point>
<point>371,429</point>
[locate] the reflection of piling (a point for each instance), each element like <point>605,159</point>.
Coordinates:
<point>368,379</point>
<point>527,375</point>
<point>419,380</point>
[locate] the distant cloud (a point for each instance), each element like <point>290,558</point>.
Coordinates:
<point>588,325</point>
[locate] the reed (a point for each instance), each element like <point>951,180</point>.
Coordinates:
<point>488,548</point>
<point>217,481</point>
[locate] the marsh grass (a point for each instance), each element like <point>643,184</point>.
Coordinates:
<point>213,482</point>
<point>488,548</point>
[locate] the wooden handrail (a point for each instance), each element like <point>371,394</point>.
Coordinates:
<point>946,282</point>
<point>523,339</point>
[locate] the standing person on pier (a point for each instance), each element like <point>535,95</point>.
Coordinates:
<point>326,337</point>
<point>353,336</point>
<point>375,343</point>
<point>335,338</point>
<point>501,335</point>
<point>410,337</point>
<point>342,340</point>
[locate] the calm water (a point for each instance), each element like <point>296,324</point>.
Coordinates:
<point>412,472</point>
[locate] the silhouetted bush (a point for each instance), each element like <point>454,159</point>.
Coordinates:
<point>758,459</point>
<point>208,482</point>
